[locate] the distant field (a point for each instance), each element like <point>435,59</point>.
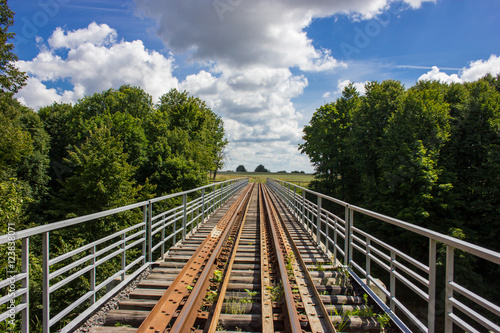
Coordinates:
<point>301,179</point>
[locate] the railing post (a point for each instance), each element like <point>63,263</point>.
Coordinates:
<point>174,231</point>
<point>202,205</point>
<point>184,216</point>
<point>25,284</point>
<point>318,222</point>
<point>351,224</point>
<point>46,282</point>
<point>92,275</point>
<point>335,232</point>
<point>162,247</point>
<point>150,231</point>
<point>431,307</point>
<point>221,195</point>
<point>213,198</point>
<point>304,208</point>
<point>124,258</point>
<point>346,235</point>
<point>295,201</point>
<point>392,287</point>
<point>368,262</point>
<point>450,259</point>
<point>289,196</point>
<point>144,244</point>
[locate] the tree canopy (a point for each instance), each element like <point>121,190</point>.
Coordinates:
<point>241,168</point>
<point>261,168</point>
<point>11,78</point>
<point>421,154</point>
<point>429,155</point>
<point>107,150</point>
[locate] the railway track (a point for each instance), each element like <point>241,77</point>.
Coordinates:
<point>252,270</point>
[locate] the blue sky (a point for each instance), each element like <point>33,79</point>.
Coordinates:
<point>264,66</point>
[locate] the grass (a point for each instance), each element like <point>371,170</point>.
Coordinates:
<point>301,179</point>
<point>235,306</point>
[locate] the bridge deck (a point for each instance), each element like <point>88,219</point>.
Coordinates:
<point>243,298</point>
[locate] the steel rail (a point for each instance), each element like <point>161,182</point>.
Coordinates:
<point>265,276</point>
<point>222,293</point>
<point>291,309</point>
<point>305,271</point>
<point>188,314</point>
<point>163,312</point>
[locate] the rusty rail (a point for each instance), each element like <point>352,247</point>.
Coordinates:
<point>218,308</point>
<point>319,322</point>
<point>199,264</point>
<point>290,307</point>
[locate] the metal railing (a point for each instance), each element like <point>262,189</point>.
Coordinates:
<point>154,227</point>
<point>341,238</point>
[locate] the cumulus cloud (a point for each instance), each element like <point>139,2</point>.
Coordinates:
<point>415,4</point>
<point>94,34</point>
<point>480,68</point>
<point>242,33</point>
<point>360,86</point>
<point>247,50</point>
<point>252,45</point>
<point>255,102</point>
<point>436,75</point>
<point>341,84</point>
<point>475,70</point>
<point>95,61</point>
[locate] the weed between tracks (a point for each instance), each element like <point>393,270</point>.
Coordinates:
<point>366,311</point>
<point>277,292</point>
<point>217,278</point>
<point>235,306</point>
<point>238,305</point>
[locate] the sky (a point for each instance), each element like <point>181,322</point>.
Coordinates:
<point>264,66</point>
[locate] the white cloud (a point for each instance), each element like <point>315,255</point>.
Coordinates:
<point>341,84</point>
<point>252,46</point>
<point>475,70</point>
<point>415,4</point>
<point>246,48</point>
<point>255,102</point>
<point>360,86</point>
<point>480,68</point>
<point>242,33</point>
<point>436,75</point>
<point>94,34</point>
<point>95,62</point>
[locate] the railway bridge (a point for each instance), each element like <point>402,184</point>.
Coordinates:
<point>240,256</point>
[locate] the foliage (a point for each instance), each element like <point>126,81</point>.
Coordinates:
<point>241,168</point>
<point>24,148</point>
<point>217,278</point>
<point>425,154</point>
<point>429,155</point>
<point>11,78</point>
<point>109,149</point>
<point>261,168</point>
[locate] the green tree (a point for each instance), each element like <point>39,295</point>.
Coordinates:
<point>187,140</point>
<point>381,101</point>
<point>101,179</point>
<point>472,161</point>
<point>241,168</point>
<point>326,140</point>
<point>261,168</point>
<point>11,78</point>
<point>24,148</point>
